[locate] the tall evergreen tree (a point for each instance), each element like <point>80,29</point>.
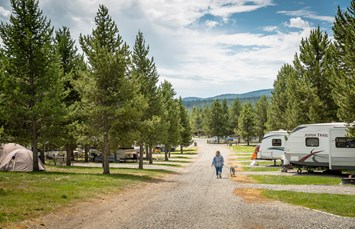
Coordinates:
<point>145,75</point>
<point>246,123</point>
<point>234,112</point>
<point>69,62</point>
<point>111,100</point>
<point>344,68</point>
<point>217,122</point>
<point>316,61</point>
<point>298,104</point>
<point>32,88</point>
<point>276,114</point>
<point>261,108</point>
<point>170,131</point>
<point>185,131</point>
<point>225,118</point>
<point>196,121</point>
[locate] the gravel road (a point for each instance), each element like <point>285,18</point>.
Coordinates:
<point>192,199</point>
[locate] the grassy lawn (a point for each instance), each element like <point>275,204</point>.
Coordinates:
<point>189,151</point>
<point>296,180</point>
<point>343,205</point>
<point>27,195</point>
<point>260,169</point>
<point>243,148</point>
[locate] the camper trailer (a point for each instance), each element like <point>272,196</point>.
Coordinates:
<point>324,146</point>
<point>272,146</point>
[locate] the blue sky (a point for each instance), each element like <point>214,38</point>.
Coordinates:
<point>205,47</point>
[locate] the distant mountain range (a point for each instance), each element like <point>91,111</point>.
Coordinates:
<point>251,97</point>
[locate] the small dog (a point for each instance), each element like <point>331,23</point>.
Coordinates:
<point>232,171</point>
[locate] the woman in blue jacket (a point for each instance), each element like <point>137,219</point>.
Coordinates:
<point>218,163</point>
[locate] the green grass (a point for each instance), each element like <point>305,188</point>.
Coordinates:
<point>261,169</point>
<point>296,180</point>
<point>186,152</point>
<point>343,205</point>
<point>181,157</point>
<point>166,163</point>
<point>28,195</point>
<point>243,148</point>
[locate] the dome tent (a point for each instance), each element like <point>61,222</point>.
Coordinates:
<point>9,147</point>
<point>20,159</point>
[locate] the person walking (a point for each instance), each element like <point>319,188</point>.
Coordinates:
<point>218,163</point>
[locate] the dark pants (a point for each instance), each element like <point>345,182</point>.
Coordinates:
<point>218,170</point>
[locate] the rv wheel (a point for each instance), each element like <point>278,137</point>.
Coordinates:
<point>299,171</point>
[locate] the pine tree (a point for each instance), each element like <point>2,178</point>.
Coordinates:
<point>234,112</point>
<point>225,118</point>
<point>170,131</point>
<point>196,121</point>
<point>185,131</point>
<point>112,102</point>
<point>261,108</point>
<point>70,65</point>
<point>144,73</point>
<point>276,114</point>
<point>344,67</point>
<point>32,90</point>
<point>246,123</point>
<point>217,123</point>
<point>316,61</point>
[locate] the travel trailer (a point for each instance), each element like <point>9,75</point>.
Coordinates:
<point>324,146</point>
<point>272,146</point>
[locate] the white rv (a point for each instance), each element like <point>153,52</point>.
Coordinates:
<point>322,145</point>
<point>272,146</point>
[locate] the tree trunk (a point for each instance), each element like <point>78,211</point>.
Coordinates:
<point>42,156</point>
<point>86,149</point>
<point>105,161</point>
<point>150,155</point>
<point>69,150</point>
<point>181,149</point>
<point>166,153</point>
<point>34,145</point>
<point>147,154</point>
<point>140,166</point>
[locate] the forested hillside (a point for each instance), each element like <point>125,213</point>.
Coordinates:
<point>249,97</point>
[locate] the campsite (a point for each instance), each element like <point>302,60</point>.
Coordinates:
<point>81,192</point>
<point>177,114</point>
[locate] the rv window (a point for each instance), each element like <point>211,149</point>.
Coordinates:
<point>276,142</point>
<point>345,142</point>
<point>312,142</point>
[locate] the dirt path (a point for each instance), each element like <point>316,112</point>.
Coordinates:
<point>193,199</point>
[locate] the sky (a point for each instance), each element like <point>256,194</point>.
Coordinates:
<point>205,48</point>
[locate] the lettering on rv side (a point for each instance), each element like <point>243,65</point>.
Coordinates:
<point>320,135</point>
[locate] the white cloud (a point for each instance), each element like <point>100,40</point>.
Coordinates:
<point>307,14</point>
<point>298,23</point>
<point>211,24</point>
<point>197,63</point>
<point>270,28</point>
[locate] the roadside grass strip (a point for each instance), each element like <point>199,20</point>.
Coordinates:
<point>166,163</point>
<point>27,195</point>
<point>260,169</point>
<point>243,148</point>
<point>338,204</point>
<point>296,180</point>
<point>187,151</point>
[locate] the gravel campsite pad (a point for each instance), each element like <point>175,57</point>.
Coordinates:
<point>193,199</point>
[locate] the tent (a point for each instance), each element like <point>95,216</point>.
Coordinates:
<point>9,147</point>
<point>19,160</point>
